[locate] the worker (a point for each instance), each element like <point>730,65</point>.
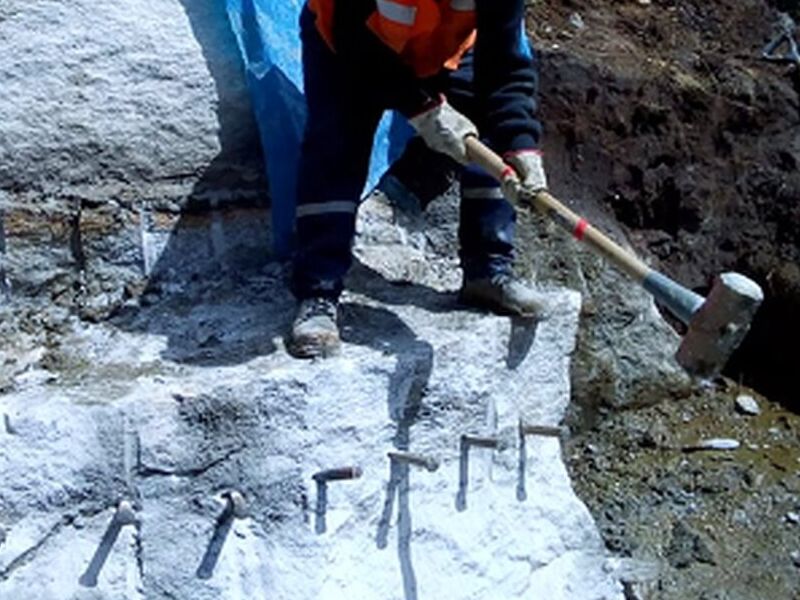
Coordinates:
<point>453,68</point>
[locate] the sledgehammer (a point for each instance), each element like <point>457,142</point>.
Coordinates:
<point>716,324</point>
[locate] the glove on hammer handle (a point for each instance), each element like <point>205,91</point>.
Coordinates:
<point>679,300</point>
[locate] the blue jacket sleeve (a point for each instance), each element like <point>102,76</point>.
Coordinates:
<point>506,77</point>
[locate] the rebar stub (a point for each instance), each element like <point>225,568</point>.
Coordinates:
<point>482,441</point>
<point>338,474</point>
<point>556,431</point>
<point>427,462</point>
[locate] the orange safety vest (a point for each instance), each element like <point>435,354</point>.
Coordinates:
<point>427,34</point>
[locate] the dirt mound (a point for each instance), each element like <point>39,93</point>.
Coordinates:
<point>663,116</point>
<point>666,115</point>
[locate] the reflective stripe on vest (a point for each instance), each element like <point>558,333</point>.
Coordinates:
<point>398,13</point>
<point>427,34</point>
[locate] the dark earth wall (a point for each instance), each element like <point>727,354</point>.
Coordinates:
<point>666,115</point>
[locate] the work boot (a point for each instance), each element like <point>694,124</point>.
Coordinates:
<point>503,294</point>
<point>314,330</point>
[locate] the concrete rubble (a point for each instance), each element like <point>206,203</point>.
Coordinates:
<point>747,405</point>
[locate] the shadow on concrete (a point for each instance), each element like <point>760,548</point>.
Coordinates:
<point>399,487</point>
<point>214,289</point>
<point>407,389</point>
<point>523,333</point>
<point>239,163</point>
<point>222,528</point>
<point>227,313</point>
<point>365,280</point>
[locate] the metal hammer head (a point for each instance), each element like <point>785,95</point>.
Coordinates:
<point>719,325</point>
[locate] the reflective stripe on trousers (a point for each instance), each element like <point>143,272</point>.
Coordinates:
<point>322,208</point>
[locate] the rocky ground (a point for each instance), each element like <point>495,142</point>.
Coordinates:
<point>661,116</point>
<point>722,524</point>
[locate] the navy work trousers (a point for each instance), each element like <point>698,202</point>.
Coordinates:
<point>343,115</point>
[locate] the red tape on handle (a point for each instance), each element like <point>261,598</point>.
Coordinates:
<point>580,229</point>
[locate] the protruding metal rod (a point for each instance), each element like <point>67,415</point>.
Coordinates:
<point>542,430</point>
<point>468,440</point>
<point>8,426</point>
<point>339,474</point>
<point>322,478</point>
<point>522,467</point>
<point>235,508</point>
<point>320,525</point>
<point>427,462</point>
<point>124,515</point>
<point>481,441</point>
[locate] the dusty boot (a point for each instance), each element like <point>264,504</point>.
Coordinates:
<point>504,295</point>
<point>314,330</point>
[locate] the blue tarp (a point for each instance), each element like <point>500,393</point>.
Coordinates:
<point>268,35</point>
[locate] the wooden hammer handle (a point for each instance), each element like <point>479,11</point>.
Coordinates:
<point>543,202</point>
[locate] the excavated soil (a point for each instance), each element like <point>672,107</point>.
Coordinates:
<point>666,114</point>
<point>663,116</point>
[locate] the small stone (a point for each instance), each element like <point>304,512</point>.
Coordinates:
<point>149,299</point>
<point>632,591</point>
<point>718,444</point>
<point>656,436</point>
<point>740,517</point>
<point>688,546</point>
<point>754,480</point>
<point>576,21</point>
<point>793,518</point>
<point>747,405</point>
<point>795,556</point>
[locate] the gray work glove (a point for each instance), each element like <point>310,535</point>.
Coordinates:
<point>444,129</point>
<point>528,166</point>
